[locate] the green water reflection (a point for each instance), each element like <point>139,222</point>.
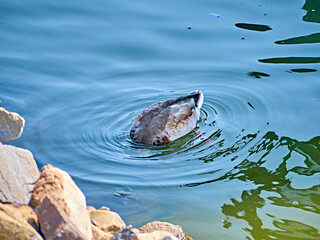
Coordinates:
<point>296,162</point>
<point>313,15</point>
<point>253,27</point>
<point>312,38</point>
<point>313,11</point>
<point>88,69</point>
<point>277,182</point>
<point>303,70</point>
<point>258,74</point>
<point>291,60</point>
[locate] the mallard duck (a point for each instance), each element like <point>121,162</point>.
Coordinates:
<point>165,121</point>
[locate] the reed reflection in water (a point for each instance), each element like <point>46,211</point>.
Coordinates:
<point>283,186</point>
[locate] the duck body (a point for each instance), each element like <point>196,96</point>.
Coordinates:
<point>165,121</point>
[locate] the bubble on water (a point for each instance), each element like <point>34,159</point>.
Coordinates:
<point>295,203</point>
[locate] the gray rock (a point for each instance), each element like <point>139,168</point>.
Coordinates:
<point>18,172</point>
<point>127,233</point>
<point>11,125</point>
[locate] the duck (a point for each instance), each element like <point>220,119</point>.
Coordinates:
<point>166,121</point>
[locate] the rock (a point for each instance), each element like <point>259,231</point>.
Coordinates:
<point>59,186</point>
<point>156,235</point>
<point>18,172</point>
<point>176,230</point>
<point>90,208</point>
<point>54,222</point>
<point>24,212</point>
<point>107,221</point>
<point>127,233</point>
<point>98,234</point>
<point>14,225</point>
<point>11,125</point>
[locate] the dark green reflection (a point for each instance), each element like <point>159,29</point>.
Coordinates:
<point>291,60</point>
<point>313,11</point>
<point>258,74</point>
<point>253,27</point>
<point>303,70</point>
<point>312,38</point>
<point>276,182</point>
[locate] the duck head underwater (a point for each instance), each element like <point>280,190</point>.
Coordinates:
<point>165,121</point>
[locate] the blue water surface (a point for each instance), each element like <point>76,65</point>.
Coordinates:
<point>80,71</point>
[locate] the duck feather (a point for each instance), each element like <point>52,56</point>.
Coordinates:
<point>165,121</point>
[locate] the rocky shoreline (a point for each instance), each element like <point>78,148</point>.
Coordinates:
<point>48,204</point>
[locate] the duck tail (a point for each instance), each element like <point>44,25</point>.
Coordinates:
<point>197,95</point>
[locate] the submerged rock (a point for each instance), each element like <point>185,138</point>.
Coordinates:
<point>11,125</point>
<point>176,230</point>
<point>18,222</point>
<point>55,224</point>
<point>18,172</point>
<point>64,194</point>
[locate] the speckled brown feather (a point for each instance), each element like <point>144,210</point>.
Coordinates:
<point>165,121</point>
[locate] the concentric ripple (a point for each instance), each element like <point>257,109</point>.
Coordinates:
<point>98,131</point>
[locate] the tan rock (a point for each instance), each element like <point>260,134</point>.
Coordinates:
<point>14,226</point>
<point>98,234</point>
<point>23,212</point>
<point>18,172</point>
<point>90,208</point>
<point>11,125</point>
<point>176,230</point>
<point>59,186</point>
<point>55,224</point>
<point>107,221</point>
<point>156,235</point>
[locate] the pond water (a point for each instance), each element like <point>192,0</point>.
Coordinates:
<point>80,71</point>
